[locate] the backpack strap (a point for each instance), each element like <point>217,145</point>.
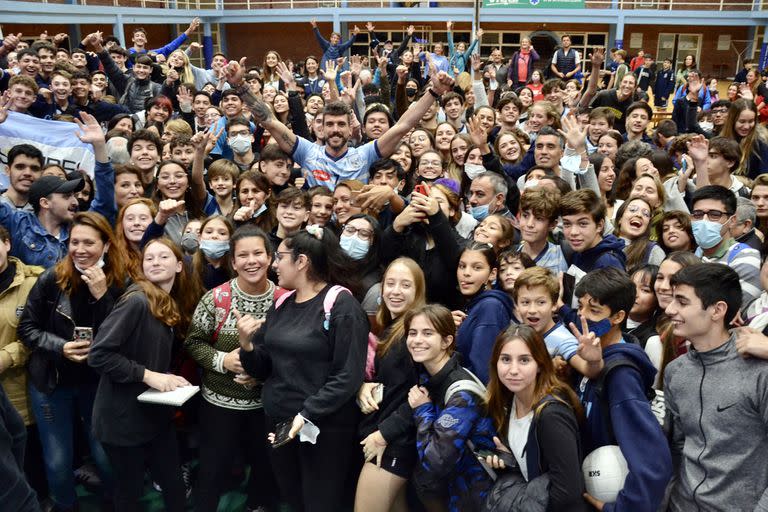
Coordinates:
<point>222,303</point>
<point>471,385</point>
<point>282,298</point>
<point>329,301</point>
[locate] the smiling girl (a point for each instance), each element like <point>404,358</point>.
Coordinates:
<point>536,416</point>
<point>231,415</point>
<point>634,227</point>
<point>450,423</point>
<point>488,311</point>
<point>387,434</point>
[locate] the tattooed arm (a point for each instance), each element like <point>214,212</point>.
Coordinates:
<point>260,111</point>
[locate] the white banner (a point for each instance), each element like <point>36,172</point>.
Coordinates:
<point>56,139</point>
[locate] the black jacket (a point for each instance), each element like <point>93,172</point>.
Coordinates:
<point>439,263</point>
<point>15,493</point>
<point>120,353</point>
<point>47,324</point>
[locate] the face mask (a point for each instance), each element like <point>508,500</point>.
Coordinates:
<point>83,205</point>
<point>239,144</point>
<point>214,249</point>
<point>707,233</point>
<point>98,264</point>
<point>410,91</point>
<point>354,247</point>
<point>189,243</point>
<point>531,184</point>
<point>600,328</point>
<point>473,170</point>
<point>706,126</point>
<point>480,212</point>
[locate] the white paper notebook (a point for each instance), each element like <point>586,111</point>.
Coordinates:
<point>176,397</point>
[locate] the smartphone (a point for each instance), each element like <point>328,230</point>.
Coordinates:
<point>378,393</point>
<point>422,188</point>
<point>281,433</point>
<point>684,166</point>
<point>487,467</point>
<point>84,334</point>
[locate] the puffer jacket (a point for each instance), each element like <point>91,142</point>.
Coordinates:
<point>47,324</point>
<point>445,435</point>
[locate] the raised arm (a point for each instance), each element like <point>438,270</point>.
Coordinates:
<point>261,113</point>
<point>387,143</point>
<point>597,58</point>
<point>176,43</point>
<point>324,43</point>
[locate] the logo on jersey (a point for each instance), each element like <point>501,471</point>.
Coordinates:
<point>321,175</point>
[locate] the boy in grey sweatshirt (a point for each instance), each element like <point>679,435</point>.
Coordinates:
<point>717,400</point>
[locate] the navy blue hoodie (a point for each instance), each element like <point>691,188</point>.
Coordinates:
<point>636,430</point>
<point>608,253</point>
<point>488,314</point>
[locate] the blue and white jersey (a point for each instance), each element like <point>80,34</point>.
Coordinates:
<point>323,169</point>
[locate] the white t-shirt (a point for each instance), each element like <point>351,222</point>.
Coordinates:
<point>517,437</point>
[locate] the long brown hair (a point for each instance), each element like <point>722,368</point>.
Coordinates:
<point>384,316</point>
<point>67,276</point>
<point>199,260</point>
<point>749,142</point>
<point>185,293</point>
<point>547,382</point>
<point>131,256</point>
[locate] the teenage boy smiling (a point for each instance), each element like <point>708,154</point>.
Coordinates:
<point>717,399</point>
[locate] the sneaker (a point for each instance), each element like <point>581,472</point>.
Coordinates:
<point>186,477</point>
<point>87,476</point>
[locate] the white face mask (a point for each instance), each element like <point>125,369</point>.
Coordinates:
<point>473,170</point>
<point>98,264</point>
<point>240,144</point>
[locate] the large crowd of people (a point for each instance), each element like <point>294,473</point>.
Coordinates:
<point>410,280</point>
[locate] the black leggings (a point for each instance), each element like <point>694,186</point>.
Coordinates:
<point>315,477</point>
<point>128,465</point>
<point>224,433</point>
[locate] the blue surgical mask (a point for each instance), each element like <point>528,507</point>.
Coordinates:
<point>707,233</point>
<point>214,249</point>
<point>600,328</point>
<point>354,247</point>
<point>480,212</point>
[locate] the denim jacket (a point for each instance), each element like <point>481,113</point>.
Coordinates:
<point>32,244</point>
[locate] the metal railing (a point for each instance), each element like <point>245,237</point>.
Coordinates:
<point>714,5</point>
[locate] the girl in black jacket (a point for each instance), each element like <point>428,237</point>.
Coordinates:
<point>64,311</point>
<point>133,352</point>
<point>535,415</point>
<point>312,365</point>
<point>387,431</point>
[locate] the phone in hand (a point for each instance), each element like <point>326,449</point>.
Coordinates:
<point>422,188</point>
<point>84,334</point>
<point>281,434</point>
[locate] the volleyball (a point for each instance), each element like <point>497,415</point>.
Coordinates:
<point>604,472</point>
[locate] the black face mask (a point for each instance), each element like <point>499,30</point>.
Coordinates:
<point>410,91</point>
<point>83,204</point>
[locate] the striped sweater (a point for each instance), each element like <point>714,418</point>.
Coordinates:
<point>218,386</point>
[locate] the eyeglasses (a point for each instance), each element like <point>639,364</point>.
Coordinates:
<point>645,212</point>
<point>430,163</point>
<point>279,255</point>
<point>719,111</point>
<point>362,233</point>
<point>714,215</point>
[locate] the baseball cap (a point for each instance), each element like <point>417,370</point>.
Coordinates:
<point>46,185</point>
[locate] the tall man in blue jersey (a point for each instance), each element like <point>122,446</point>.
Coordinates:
<point>336,161</point>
